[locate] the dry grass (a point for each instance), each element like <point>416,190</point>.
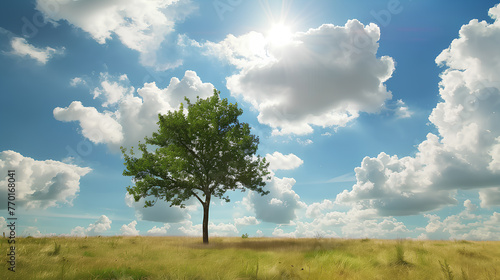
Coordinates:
<point>250,258</point>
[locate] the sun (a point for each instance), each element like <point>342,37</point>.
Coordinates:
<point>279,35</point>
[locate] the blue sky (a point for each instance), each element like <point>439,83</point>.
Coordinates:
<point>380,118</point>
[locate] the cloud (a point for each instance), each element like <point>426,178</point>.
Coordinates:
<point>314,210</point>
<point>490,197</point>
<point>385,228</point>
<point>40,184</point>
<point>159,231</point>
<point>100,226</point>
<point>304,142</point>
<point>189,229</point>
<point>97,127</point>
<point>322,77</point>
<point>141,25</point>
<point>161,211</point>
<point>130,117</point>
<point>278,232</point>
<point>469,206</point>
<point>220,229</point>
<point>77,81</point>
<point>246,221</point>
<point>355,223</point>
<point>33,232</point>
<point>278,161</point>
<point>402,111</point>
<point>279,206</point>
<point>464,155</point>
<point>22,48</point>
<point>113,91</point>
<point>3,226</point>
<point>129,230</point>
<point>395,186</point>
<point>465,225</point>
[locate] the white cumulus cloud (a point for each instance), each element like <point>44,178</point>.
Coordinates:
<point>100,226</point>
<point>490,197</point>
<point>220,229</point>
<point>129,230</point>
<point>112,91</point>
<point>314,210</point>
<point>465,225</point>
<point>161,211</point>
<point>21,47</point>
<point>159,231</point>
<point>355,223</point>
<point>141,25</point>
<point>279,206</point>
<point>279,161</point>
<point>131,115</point>
<point>246,221</point>
<point>464,154</point>
<point>96,126</point>
<point>402,111</point>
<point>40,184</point>
<point>33,232</point>
<point>323,77</point>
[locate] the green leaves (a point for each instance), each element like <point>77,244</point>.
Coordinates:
<point>202,152</point>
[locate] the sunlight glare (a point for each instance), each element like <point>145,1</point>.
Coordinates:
<point>279,35</point>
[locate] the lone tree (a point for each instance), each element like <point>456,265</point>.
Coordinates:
<point>202,153</point>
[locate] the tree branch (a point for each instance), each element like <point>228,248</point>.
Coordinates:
<point>201,164</point>
<point>189,149</point>
<point>199,199</point>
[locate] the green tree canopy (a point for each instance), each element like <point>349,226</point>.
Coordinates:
<point>202,153</point>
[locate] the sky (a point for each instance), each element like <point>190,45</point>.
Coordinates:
<point>380,119</point>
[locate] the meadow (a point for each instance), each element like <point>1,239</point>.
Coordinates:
<point>249,258</point>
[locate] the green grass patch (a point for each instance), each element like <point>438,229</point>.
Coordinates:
<point>88,254</point>
<point>119,273</point>
<point>250,258</point>
<point>56,251</point>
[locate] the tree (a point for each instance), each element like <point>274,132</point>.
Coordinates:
<point>202,153</point>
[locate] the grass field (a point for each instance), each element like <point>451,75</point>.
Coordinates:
<point>251,258</point>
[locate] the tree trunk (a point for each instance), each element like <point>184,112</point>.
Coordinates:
<point>205,222</point>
